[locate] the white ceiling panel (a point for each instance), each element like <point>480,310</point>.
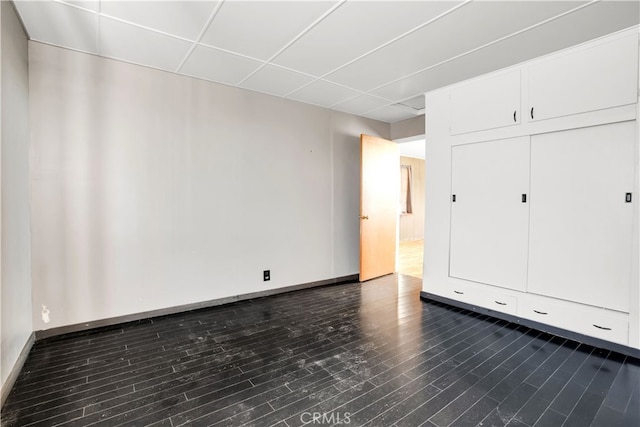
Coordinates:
<point>92,5</point>
<point>323,93</point>
<point>140,46</point>
<point>468,27</point>
<point>181,18</point>
<point>588,23</point>
<point>370,58</point>
<point>390,114</point>
<point>353,30</point>
<point>218,66</point>
<point>275,81</point>
<point>416,102</point>
<point>260,28</point>
<point>60,24</point>
<point>418,83</point>
<point>361,104</point>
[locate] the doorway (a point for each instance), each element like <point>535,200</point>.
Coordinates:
<point>412,206</point>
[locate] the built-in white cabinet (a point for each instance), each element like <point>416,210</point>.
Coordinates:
<point>490,213</point>
<point>501,302</point>
<point>461,291</point>
<point>590,79</point>
<point>581,215</point>
<point>587,320</point>
<point>542,215</point>
<point>486,104</point>
<point>476,294</point>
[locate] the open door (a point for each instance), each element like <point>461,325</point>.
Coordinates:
<point>379,201</point>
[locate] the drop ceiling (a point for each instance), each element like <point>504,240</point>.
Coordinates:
<point>369,58</point>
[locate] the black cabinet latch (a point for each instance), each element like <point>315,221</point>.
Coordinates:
<point>453,198</point>
<point>524,198</point>
<point>627,198</point>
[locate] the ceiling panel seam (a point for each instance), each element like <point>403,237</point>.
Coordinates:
<point>546,21</point>
<point>491,43</point>
<point>400,106</point>
<point>382,98</point>
<point>205,27</point>
<point>282,67</point>
<point>337,104</point>
<point>432,20</point>
<point>360,93</point>
<point>296,38</point>
<point>230,52</point>
<point>75,6</point>
<point>142,27</point>
<point>101,15</point>
<point>419,27</point>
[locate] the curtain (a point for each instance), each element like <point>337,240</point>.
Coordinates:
<point>405,189</point>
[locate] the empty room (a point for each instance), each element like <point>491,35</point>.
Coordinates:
<point>320,213</point>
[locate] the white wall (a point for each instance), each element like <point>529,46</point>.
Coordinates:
<point>151,190</point>
<point>14,123</point>
<point>437,167</point>
<point>408,128</point>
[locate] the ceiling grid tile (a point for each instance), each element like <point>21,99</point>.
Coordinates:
<point>370,58</point>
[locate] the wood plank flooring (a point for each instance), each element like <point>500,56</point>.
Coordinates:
<point>370,354</point>
<point>410,257</point>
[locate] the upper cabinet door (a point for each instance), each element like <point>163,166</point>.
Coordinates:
<point>486,103</point>
<point>581,230</point>
<point>490,214</point>
<point>591,79</point>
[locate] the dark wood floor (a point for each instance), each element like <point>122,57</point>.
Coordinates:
<point>371,354</point>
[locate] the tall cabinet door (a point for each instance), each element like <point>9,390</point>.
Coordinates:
<point>490,214</point>
<point>581,218</point>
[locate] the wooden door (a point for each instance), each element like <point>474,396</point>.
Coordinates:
<point>379,202</point>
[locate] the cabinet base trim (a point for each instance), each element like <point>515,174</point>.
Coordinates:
<point>574,336</point>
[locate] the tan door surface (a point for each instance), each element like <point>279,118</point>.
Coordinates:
<point>379,201</point>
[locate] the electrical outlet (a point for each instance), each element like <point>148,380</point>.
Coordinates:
<point>266,275</point>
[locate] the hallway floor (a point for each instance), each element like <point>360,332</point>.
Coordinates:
<point>354,354</point>
<point>410,257</point>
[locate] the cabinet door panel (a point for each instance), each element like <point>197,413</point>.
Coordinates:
<point>592,79</point>
<point>581,226</point>
<point>489,222</point>
<point>486,103</point>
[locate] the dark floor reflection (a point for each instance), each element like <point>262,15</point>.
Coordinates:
<point>354,354</point>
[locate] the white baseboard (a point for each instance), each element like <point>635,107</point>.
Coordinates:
<point>17,367</point>
<point>79,327</point>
